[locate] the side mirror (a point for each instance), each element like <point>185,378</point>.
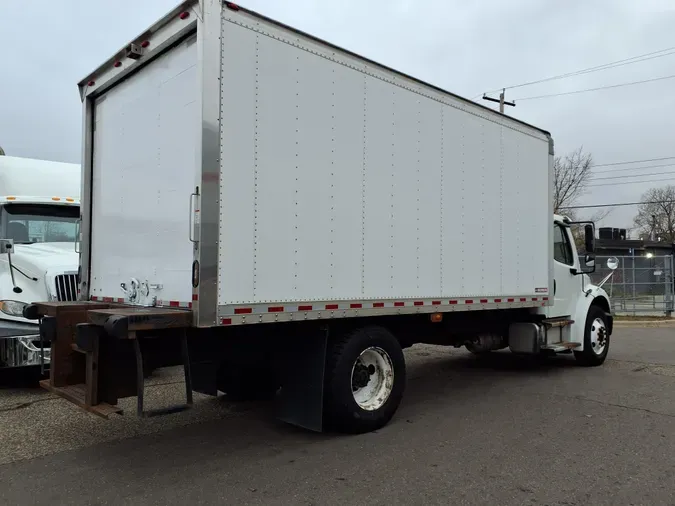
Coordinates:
<point>589,238</point>
<point>6,246</point>
<point>589,260</point>
<point>612,263</point>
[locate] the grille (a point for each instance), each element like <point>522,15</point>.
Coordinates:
<point>66,287</point>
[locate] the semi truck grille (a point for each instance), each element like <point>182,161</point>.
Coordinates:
<point>66,287</point>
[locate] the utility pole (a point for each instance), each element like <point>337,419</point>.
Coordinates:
<point>501,101</point>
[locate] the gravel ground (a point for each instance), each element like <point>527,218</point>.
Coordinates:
<point>495,431</point>
<point>25,412</point>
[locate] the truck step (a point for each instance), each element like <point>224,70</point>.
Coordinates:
<point>557,322</point>
<point>561,346</point>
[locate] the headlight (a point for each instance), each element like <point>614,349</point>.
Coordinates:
<point>12,307</point>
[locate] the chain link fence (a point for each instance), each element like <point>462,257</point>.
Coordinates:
<point>640,285</point>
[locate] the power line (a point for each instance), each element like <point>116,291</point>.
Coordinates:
<point>612,171</point>
<point>632,182</point>
<point>633,175</point>
<point>620,204</point>
<point>634,161</point>
<point>633,83</point>
<point>597,68</point>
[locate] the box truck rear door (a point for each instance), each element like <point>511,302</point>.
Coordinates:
<point>144,170</point>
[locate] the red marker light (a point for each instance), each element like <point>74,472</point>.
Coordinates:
<point>117,64</point>
<point>91,83</point>
<point>145,43</point>
<point>184,15</point>
<point>232,6</point>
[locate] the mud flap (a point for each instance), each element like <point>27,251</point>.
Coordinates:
<point>301,368</point>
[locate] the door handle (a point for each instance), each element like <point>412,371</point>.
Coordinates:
<point>193,216</point>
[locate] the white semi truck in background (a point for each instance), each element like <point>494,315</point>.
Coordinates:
<point>284,217</point>
<point>39,209</point>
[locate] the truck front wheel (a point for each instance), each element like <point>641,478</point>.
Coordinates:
<point>596,338</point>
<point>364,381</point>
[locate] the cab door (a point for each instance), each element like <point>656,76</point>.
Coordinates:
<point>566,285</point>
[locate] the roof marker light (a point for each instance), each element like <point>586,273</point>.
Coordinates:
<point>184,15</point>
<point>10,198</point>
<point>91,83</point>
<point>232,6</point>
<point>117,64</point>
<point>145,43</point>
<point>70,199</point>
<point>56,198</point>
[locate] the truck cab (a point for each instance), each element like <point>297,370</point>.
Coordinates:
<point>39,216</point>
<point>579,318</point>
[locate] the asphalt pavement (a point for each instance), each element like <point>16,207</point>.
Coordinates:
<point>498,431</point>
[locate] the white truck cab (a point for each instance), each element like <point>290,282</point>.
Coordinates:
<point>39,213</point>
<point>580,317</point>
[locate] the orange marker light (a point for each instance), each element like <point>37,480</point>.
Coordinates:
<point>436,317</point>
<point>56,198</point>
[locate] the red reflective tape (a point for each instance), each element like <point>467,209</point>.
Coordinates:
<point>275,309</point>
<point>107,299</point>
<point>510,300</point>
<point>226,321</point>
<point>243,310</point>
<point>174,303</point>
<point>356,306</point>
<point>304,308</point>
<point>94,297</point>
<point>436,303</point>
<point>498,300</point>
<point>483,301</point>
<point>399,304</point>
<point>523,299</point>
<point>534,299</point>
<point>190,305</point>
<point>331,306</point>
<point>418,303</point>
<point>545,298</point>
<point>378,304</point>
<point>195,296</point>
<point>120,300</point>
<point>468,301</point>
<point>453,302</point>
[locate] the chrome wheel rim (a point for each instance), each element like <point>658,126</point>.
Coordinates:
<point>599,336</point>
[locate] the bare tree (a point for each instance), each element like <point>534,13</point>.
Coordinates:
<point>656,215</point>
<point>571,175</point>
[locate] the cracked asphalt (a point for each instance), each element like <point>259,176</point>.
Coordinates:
<point>499,431</point>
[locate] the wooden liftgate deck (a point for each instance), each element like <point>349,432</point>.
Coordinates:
<point>96,352</point>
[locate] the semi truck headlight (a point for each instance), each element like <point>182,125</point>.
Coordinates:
<point>12,307</point>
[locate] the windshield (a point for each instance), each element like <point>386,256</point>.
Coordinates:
<point>31,223</point>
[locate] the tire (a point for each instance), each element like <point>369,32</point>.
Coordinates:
<point>371,360</point>
<point>596,343</point>
<point>247,384</point>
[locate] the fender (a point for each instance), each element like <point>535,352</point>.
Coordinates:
<point>591,296</point>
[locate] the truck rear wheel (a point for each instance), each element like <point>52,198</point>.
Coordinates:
<point>596,339</point>
<point>364,381</point>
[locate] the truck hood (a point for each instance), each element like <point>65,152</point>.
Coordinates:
<point>39,258</point>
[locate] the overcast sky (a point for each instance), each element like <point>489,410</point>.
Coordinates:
<point>464,47</point>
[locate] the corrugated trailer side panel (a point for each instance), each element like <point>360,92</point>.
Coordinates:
<point>343,181</point>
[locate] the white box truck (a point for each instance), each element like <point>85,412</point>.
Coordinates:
<point>39,210</point>
<point>283,217</point>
